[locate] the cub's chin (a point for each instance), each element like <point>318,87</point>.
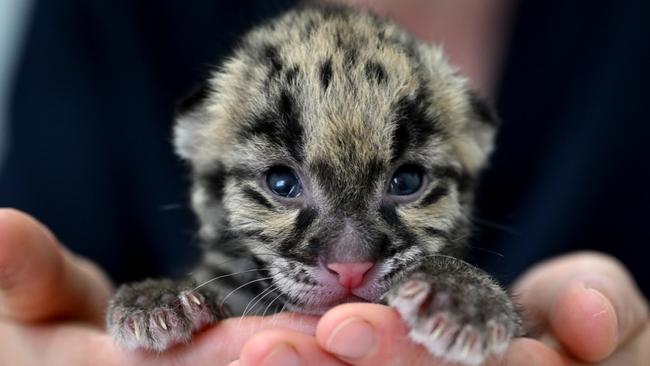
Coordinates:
<point>321,309</point>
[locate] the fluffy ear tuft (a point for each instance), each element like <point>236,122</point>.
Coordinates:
<point>185,136</point>
<point>476,138</point>
<point>188,115</point>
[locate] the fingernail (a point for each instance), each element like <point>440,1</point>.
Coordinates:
<point>353,338</point>
<point>282,355</point>
<point>607,309</point>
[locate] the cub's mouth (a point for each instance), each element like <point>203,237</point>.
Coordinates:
<point>346,283</point>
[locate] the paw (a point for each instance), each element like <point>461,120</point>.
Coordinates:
<point>457,321</point>
<point>155,315</point>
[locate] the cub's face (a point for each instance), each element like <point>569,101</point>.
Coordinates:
<point>337,152</point>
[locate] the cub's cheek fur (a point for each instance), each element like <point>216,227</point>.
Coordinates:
<point>343,99</point>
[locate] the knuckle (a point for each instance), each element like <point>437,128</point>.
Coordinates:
<point>24,250</point>
<point>590,260</point>
<point>13,250</point>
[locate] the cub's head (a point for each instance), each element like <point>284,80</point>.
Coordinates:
<point>336,151</point>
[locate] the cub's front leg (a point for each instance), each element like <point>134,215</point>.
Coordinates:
<point>456,311</point>
<point>156,314</point>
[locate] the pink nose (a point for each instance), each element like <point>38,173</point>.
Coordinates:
<point>350,274</point>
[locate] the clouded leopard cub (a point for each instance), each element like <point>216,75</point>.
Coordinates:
<point>333,158</point>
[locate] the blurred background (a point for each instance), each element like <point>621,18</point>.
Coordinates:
<point>88,89</point>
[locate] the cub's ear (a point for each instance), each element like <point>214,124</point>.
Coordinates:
<point>476,136</point>
<point>190,113</point>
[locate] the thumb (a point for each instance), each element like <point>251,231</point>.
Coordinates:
<point>364,334</point>
<point>588,301</point>
<point>40,279</point>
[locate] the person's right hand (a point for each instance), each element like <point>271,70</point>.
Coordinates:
<point>52,305</point>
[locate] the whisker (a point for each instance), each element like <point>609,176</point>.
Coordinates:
<point>271,303</point>
<point>171,206</point>
<point>459,238</point>
<point>244,285</point>
<point>259,297</point>
<point>486,250</point>
<point>266,291</point>
<point>495,225</point>
<point>224,276</point>
<point>274,318</point>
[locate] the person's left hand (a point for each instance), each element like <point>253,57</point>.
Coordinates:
<point>587,304</point>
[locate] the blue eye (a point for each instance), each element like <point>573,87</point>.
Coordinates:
<point>283,182</point>
<point>406,180</point>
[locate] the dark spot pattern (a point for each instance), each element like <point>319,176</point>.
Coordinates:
<point>325,173</point>
<point>272,58</point>
<point>434,195</point>
<point>280,126</point>
<point>389,214</point>
<point>482,109</point>
<point>326,73</point>
<point>291,74</point>
<point>414,125</point>
<point>373,171</point>
<point>436,233</point>
<point>447,172</point>
<point>214,182</point>
<point>466,182</point>
<point>255,196</point>
<point>401,139</point>
<point>385,248</point>
<point>313,247</point>
<point>291,134</point>
<point>305,218</point>
<point>375,72</point>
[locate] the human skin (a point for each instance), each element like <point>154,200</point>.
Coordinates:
<point>587,307</point>
<point>52,304</point>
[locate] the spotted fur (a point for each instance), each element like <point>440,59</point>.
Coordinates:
<point>344,98</point>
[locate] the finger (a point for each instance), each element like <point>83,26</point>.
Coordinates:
<point>530,352</point>
<point>284,348</point>
<point>368,334</point>
<point>226,338</point>
<point>223,342</point>
<point>41,280</point>
<point>79,344</point>
<point>588,301</point>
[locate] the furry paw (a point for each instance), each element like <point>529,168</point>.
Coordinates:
<point>457,321</point>
<point>155,315</point>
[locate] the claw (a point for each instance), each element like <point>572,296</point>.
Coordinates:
<point>161,322</point>
<point>496,334</point>
<point>437,331</point>
<point>411,288</point>
<point>136,330</point>
<point>194,299</point>
<point>465,351</point>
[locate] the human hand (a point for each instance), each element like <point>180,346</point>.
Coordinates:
<point>52,305</point>
<point>587,306</point>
